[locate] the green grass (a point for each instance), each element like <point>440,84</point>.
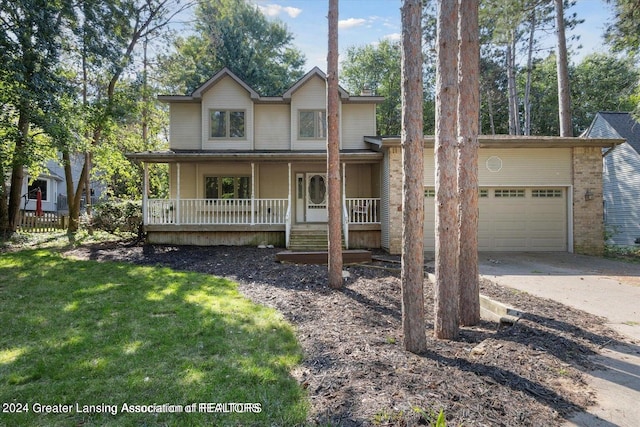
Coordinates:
<point>88,333</point>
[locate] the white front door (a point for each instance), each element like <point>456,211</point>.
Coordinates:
<point>316,200</point>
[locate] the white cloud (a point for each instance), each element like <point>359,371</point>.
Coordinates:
<point>351,23</point>
<point>394,37</point>
<point>276,9</point>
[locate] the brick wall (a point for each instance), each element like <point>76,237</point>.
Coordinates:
<point>588,227</point>
<point>395,200</point>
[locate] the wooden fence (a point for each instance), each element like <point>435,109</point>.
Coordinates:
<point>49,221</point>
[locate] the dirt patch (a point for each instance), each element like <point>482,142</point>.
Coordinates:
<point>355,369</point>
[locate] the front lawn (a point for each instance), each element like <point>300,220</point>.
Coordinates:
<point>99,344</point>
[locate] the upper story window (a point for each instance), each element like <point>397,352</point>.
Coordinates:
<point>227,124</point>
<point>313,124</point>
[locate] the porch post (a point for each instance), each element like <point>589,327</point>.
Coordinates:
<point>177,220</point>
<point>253,194</point>
<point>288,218</point>
<point>145,195</point>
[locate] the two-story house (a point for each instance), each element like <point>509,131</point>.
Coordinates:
<point>247,170</point>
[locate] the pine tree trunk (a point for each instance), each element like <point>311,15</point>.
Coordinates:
<point>412,274</point>
<point>564,97</point>
<point>333,153</point>
<point>468,112</point>
<point>527,89</point>
<point>446,250</point>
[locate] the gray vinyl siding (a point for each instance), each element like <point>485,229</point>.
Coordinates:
<point>621,192</point>
<point>620,180</point>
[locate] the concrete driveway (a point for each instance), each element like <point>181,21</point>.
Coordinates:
<point>606,288</point>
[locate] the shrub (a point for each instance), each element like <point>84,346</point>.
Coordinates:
<point>118,216</point>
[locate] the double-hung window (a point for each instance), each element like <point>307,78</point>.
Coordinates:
<point>312,124</point>
<point>227,124</point>
<point>227,187</point>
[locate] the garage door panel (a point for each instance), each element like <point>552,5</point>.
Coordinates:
<point>514,220</point>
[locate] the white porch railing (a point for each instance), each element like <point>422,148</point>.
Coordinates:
<point>246,211</point>
<point>363,210</point>
<point>216,211</point>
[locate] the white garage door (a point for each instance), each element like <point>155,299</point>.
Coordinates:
<point>513,219</point>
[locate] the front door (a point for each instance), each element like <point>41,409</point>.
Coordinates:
<point>316,200</point>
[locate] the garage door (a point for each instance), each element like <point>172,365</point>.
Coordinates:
<point>513,219</point>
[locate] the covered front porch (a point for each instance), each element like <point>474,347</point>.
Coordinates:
<point>260,198</point>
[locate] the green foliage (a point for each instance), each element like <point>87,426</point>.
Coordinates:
<point>377,68</point>
<point>235,34</point>
<point>118,216</point>
<point>602,82</point>
<point>112,333</point>
<point>623,33</point>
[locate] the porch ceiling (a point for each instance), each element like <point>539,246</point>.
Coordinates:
<point>349,156</point>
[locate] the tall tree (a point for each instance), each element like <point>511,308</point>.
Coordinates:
<point>31,86</point>
<point>467,115</point>
<point>235,34</point>
<point>446,221</point>
<point>623,33</point>
<point>333,152</point>
<point>564,96</point>
<point>412,140</point>
<point>107,40</point>
<point>377,68</point>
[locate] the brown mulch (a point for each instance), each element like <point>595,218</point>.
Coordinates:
<point>355,369</point>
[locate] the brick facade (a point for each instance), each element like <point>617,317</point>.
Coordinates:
<point>588,226</point>
<point>395,200</point>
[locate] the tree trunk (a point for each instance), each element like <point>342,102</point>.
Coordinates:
<point>72,201</point>
<point>412,271</point>
<point>446,250</point>
<point>514,119</point>
<point>17,169</point>
<point>333,153</point>
<point>468,113</point>
<point>527,89</point>
<point>564,97</point>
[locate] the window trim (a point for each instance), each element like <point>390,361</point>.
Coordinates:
<point>316,124</point>
<point>227,123</point>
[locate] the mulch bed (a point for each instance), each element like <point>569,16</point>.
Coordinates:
<point>355,369</point>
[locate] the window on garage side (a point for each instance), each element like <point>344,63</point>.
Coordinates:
<point>227,124</point>
<point>546,193</point>
<point>509,192</point>
<point>227,187</point>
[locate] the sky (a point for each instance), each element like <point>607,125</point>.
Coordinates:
<point>363,22</point>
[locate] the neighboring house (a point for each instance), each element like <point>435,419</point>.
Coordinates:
<point>53,187</point>
<point>247,169</point>
<point>621,176</point>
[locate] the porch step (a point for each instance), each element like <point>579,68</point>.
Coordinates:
<point>309,240</point>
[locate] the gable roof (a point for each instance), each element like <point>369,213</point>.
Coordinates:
<point>315,72</point>
<point>196,96</point>
<point>225,72</point>
<point>617,124</point>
